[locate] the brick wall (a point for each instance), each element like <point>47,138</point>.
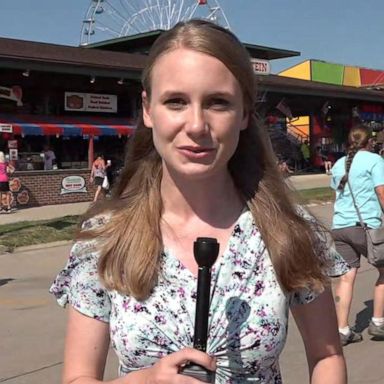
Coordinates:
<point>37,188</point>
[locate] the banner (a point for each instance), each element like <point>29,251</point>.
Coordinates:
<point>90,102</point>
<point>284,109</point>
<point>15,94</point>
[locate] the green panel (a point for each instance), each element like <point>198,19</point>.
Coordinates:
<point>327,72</point>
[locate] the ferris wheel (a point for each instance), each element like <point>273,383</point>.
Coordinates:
<point>108,19</point>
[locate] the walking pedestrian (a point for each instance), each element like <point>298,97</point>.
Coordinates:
<point>199,165</point>
<point>362,172</point>
<point>98,173</point>
<point>5,195</point>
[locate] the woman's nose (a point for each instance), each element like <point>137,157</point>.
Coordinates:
<point>196,124</point>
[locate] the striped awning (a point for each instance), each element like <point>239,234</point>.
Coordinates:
<point>68,125</point>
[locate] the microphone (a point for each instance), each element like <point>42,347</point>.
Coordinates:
<point>205,250</point>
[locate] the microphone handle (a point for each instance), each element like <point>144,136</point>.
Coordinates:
<point>201,327</point>
<point>202,308</point>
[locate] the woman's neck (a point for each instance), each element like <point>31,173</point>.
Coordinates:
<point>213,200</point>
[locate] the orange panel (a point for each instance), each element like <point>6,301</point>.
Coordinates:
<point>352,76</point>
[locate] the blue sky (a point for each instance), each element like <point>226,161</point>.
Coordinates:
<point>339,31</point>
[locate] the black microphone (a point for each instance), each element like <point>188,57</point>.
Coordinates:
<point>205,250</point>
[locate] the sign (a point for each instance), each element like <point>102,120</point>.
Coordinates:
<point>15,94</point>
<point>90,102</point>
<point>12,144</point>
<point>6,128</point>
<point>13,154</point>
<point>261,67</point>
<point>73,184</point>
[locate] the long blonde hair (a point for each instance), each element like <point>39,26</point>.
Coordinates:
<point>132,242</point>
<point>2,157</point>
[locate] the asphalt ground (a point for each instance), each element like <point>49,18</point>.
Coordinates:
<point>32,325</point>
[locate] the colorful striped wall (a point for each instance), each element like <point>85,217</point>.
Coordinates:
<point>338,74</point>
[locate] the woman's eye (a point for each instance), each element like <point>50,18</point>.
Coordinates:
<point>219,104</point>
<point>176,103</point>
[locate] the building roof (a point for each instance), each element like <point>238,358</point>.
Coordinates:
<point>294,86</point>
<point>65,59</point>
<point>304,97</point>
<point>20,54</point>
<point>142,42</point>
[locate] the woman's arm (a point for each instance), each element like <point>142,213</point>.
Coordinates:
<point>318,327</point>
<point>380,195</point>
<point>86,349</point>
<point>92,172</point>
<point>10,168</point>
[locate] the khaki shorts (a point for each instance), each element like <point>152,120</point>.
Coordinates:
<point>351,243</point>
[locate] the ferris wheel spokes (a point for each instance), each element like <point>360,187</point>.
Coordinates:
<point>107,19</point>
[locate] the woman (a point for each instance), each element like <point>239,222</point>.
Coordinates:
<point>363,172</point>
<point>5,194</point>
<point>199,165</point>
<point>323,160</point>
<point>98,172</point>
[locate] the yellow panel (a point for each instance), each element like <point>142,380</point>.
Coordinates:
<point>299,71</point>
<point>301,120</point>
<point>352,76</point>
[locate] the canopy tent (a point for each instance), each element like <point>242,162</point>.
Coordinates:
<point>67,125</point>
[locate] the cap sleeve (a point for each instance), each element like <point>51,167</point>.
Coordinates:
<point>78,283</point>
<point>333,264</point>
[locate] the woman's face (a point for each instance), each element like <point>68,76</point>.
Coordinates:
<point>196,112</point>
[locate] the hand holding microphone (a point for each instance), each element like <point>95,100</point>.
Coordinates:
<point>205,250</point>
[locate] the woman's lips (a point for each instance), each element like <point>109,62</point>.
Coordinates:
<point>196,152</point>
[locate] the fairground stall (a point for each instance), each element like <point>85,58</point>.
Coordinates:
<point>79,101</point>
<point>73,101</point>
<point>344,95</point>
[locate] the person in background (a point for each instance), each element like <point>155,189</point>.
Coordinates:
<point>363,172</point>
<point>49,158</point>
<point>5,195</point>
<point>98,172</point>
<point>306,154</point>
<point>200,165</point>
<point>323,160</point>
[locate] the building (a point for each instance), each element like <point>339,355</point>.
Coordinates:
<point>82,100</point>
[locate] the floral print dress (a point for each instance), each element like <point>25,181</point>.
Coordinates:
<point>248,316</point>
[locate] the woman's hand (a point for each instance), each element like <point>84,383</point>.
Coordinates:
<point>167,369</point>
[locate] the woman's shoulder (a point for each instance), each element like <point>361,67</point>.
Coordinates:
<point>374,157</point>
<point>340,162</point>
<point>78,282</point>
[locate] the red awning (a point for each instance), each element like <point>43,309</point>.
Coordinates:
<point>68,125</point>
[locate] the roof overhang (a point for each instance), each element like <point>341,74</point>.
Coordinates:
<point>291,86</point>
<point>142,42</point>
<point>20,54</point>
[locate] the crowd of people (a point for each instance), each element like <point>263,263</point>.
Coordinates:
<point>192,171</point>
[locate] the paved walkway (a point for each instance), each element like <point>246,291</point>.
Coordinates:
<point>32,325</point>
<point>44,213</point>
<point>52,211</point>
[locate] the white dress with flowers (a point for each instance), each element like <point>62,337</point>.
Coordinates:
<point>248,316</point>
